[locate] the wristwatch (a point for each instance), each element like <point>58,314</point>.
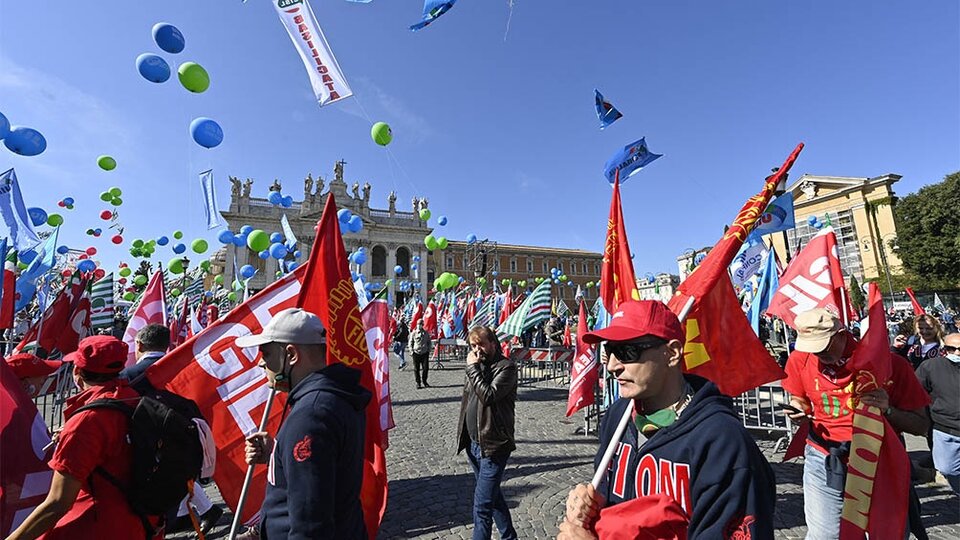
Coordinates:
<point>888,411</point>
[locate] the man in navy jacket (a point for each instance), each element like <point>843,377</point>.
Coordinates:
<point>316,464</point>
<point>685,441</point>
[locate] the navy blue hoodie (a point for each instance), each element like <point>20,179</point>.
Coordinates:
<point>706,461</point>
<point>313,483</point>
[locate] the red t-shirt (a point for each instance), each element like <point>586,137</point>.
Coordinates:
<point>91,439</point>
<point>831,397</point>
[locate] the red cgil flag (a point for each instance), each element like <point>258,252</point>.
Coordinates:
<point>430,319</point>
<point>507,306</point>
<point>64,322</point>
<point>917,308</point>
<point>377,323</point>
<point>417,315</point>
<point>152,309</point>
<point>584,372</point>
<point>721,345</point>
<point>328,292</point>
<point>617,280</point>
<point>812,280</point>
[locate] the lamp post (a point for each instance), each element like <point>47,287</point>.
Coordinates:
<point>886,265</point>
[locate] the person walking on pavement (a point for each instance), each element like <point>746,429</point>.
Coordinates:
<point>940,377</point>
<point>420,347</point>
<point>486,429</point>
<point>400,337</point>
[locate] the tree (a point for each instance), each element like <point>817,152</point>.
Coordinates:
<point>928,231</point>
<point>856,295</point>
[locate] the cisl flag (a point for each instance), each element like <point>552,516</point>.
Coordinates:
<point>584,372</point>
<point>813,280</point>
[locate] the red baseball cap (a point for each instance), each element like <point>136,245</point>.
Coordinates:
<point>26,365</point>
<point>637,318</point>
<point>99,354</point>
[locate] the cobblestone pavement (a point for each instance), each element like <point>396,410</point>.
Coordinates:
<point>431,488</point>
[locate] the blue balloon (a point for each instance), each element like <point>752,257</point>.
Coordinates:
<point>297,254</point>
<point>569,284</point>
<point>240,240</point>
<point>246,229</point>
<point>471,238</point>
<point>225,237</point>
<point>247,271</point>
<point>63,250</point>
<point>278,251</point>
<point>38,216</point>
<point>4,126</point>
<point>276,237</point>
<point>360,257</point>
<point>460,279</point>
<point>68,201</point>
<point>153,68</point>
<point>818,225</point>
<point>99,230</point>
<point>168,37</point>
<point>494,273</point>
<point>355,224</point>
<point>86,265</point>
<point>264,254</point>
<point>287,201</point>
<point>162,241</point>
<point>416,258</point>
<point>442,220</point>
<point>811,220</point>
<point>344,215</point>
<point>179,248</point>
<point>353,275</point>
<point>398,269</point>
<point>413,266</point>
<point>206,132</point>
<point>292,265</point>
<point>275,197</point>
<point>25,141</point>
<point>27,257</point>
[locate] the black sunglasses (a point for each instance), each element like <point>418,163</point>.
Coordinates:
<point>949,349</point>
<point>630,352</point>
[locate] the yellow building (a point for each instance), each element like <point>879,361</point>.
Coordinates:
<point>861,214</point>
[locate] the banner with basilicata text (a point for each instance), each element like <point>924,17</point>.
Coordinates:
<point>329,84</point>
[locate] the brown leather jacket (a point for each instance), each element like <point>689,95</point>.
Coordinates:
<point>494,385</point>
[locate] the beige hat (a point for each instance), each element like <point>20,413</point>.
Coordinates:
<point>292,325</point>
<point>814,330</point>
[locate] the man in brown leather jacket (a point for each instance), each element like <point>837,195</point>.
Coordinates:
<point>486,429</point>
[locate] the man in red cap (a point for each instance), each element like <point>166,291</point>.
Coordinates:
<point>685,450</point>
<point>32,371</point>
<point>81,504</point>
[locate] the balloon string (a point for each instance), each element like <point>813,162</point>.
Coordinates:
<point>390,154</point>
<point>509,18</point>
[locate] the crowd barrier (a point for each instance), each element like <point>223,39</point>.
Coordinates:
<point>537,365</point>
<point>54,392</point>
<point>760,410</point>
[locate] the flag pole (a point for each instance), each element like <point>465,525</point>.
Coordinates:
<point>249,478</point>
<point>625,419</point>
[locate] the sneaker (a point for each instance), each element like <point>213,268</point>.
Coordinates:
<point>209,520</point>
<point>419,387</point>
<point>425,383</point>
<point>402,366</point>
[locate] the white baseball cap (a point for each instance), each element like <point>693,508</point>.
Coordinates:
<point>292,325</point>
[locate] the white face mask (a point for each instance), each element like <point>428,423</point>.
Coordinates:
<point>955,358</point>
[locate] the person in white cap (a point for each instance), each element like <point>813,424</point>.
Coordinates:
<point>820,387</point>
<point>316,462</point>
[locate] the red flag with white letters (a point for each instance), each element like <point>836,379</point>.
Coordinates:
<point>377,323</point>
<point>584,372</point>
<point>152,309</point>
<point>430,319</point>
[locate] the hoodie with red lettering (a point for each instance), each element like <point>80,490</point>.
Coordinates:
<point>706,461</point>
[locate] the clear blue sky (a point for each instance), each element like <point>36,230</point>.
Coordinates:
<point>497,129</point>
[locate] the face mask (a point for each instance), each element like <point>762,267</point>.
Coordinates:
<point>955,358</point>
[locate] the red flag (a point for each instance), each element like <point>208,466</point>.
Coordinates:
<point>813,279</point>
<point>417,315</point>
<point>377,322</point>
<point>430,319</point>
<point>507,306</point>
<point>328,292</point>
<point>62,323</point>
<point>180,327</point>
<point>721,345</point>
<point>878,471</point>
<point>469,312</point>
<point>24,475</point>
<point>151,310</point>
<point>917,308</point>
<point>9,298</point>
<point>567,338</point>
<point>617,280</point>
<point>584,372</point>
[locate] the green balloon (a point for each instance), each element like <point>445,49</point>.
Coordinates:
<point>106,196</point>
<point>115,192</point>
<point>442,242</point>
<point>430,241</point>
<point>218,279</point>
<point>116,201</point>
<point>381,133</point>
<point>563,277</point>
<point>205,265</point>
<point>199,245</point>
<point>388,283</point>
<point>174,292</point>
<point>125,271</point>
<point>140,280</point>
<point>54,219</point>
<point>232,296</point>
<point>258,240</point>
<point>424,214</point>
<point>175,265</point>
<point>178,234</point>
<point>138,243</point>
<point>129,296</point>
<point>136,252</point>
<point>107,163</point>
<point>193,77</point>
<point>504,282</point>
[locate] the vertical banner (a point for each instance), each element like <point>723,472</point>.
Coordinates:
<point>214,219</point>
<point>14,213</point>
<point>327,80</point>
<point>291,239</point>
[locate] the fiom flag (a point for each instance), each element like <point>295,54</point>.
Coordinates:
<point>778,216</point>
<point>329,84</point>
<point>606,112</point>
<point>14,213</point>
<point>720,344</point>
<point>617,279</point>
<point>532,311</point>
<point>210,207</point>
<point>629,160</point>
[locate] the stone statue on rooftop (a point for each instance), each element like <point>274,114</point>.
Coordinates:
<point>247,186</point>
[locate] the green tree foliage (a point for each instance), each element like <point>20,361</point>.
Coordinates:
<point>856,295</point>
<point>928,231</point>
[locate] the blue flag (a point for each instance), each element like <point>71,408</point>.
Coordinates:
<point>768,285</point>
<point>629,160</point>
<point>210,208</point>
<point>432,10</point>
<point>778,216</point>
<point>39,266</point>
<point>606,112</point>
<point>14,213</point>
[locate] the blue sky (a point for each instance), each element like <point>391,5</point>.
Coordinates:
<point>496,128</point>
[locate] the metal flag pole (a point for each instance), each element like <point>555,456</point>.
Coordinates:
<point>249,478</point>
<point>625,419</point>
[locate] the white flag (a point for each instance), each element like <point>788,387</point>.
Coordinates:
<point>288,232</point>
<point>327,80</point>
<point>214,219</point>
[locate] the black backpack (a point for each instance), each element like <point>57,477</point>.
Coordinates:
<point>167,453</point>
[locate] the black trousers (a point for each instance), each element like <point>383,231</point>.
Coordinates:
<point>421,361</point>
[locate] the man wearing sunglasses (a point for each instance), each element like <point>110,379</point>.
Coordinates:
<point>685,454</point>
<point>940,377</point>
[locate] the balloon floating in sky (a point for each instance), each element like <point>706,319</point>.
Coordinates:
<point>471,238</point>
<point>206,132</point>
<point>107,163</point>
<point>177,235</point>
<point>153,68</point>
<point>275,198</point>
<point>175,265</point>
<point>38,216</point>
<point>4,126</point>
<point>168,37</point>
<point>199,245</point>
<point>25,141</point>
<point>381,133</point>
<point>442,220</point>
<point>54,220</point>
<point>225,237</point>
<point>424,214</point>
<point>117,239</point>
<point>193,77</point>
<point>432,10</point>
<point>258,240</point>
<point>179,248</point>
<point>247,271</point>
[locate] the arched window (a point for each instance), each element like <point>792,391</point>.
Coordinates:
<point>379,262</point>
<point>403,259</point>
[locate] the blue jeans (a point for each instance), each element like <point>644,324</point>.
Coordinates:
<point>488,503</point>
<point>946,457</point>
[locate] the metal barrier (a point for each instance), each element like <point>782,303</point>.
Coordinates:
<point>550,364</point>
<point>53,395</point>
<point>759,410</point>
<point>449,350</point>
